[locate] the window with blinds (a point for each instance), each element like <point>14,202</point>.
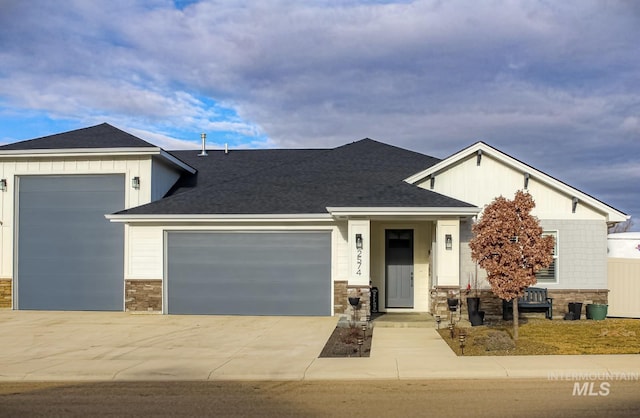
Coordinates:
<point>550,274</point>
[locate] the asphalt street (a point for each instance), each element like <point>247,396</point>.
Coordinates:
<point>438,398</point>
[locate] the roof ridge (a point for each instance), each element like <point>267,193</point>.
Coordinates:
<point>86,137</point>
<point>387,145</point>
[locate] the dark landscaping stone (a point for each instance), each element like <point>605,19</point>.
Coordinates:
<point>343,342</point>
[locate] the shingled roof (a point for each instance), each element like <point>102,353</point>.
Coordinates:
<point>99,136</point>
<point>217,167</point>
<point>365,173</point>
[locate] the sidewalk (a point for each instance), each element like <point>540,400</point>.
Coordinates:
<point>102,346</point>
<point>415,353</point>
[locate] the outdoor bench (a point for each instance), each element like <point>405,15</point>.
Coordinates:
<point>534,298</point>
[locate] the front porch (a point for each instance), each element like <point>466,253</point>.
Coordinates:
<point>403,261</point>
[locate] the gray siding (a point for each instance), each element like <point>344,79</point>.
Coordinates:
<point>582,261</point>
<point>163,178</point>
<point>582,250</point>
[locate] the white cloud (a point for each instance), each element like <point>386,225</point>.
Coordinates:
<point>547,81</point>
<point>161,140</point>
<point>631,124</point>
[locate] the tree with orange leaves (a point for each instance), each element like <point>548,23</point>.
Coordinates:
<point>509,245</point>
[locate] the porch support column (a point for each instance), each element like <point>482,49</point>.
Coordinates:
<point>448,252</point>
<point>359,256</point>
<point>359,251</point>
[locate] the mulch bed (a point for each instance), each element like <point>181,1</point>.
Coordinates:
<point>343,342</point>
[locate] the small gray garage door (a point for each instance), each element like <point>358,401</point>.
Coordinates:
<point>249,273</point>
<point>69,256</point>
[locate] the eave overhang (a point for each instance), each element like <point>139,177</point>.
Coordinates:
<point>346,212</point>
<point>207,218</point>
<point>98,152</point>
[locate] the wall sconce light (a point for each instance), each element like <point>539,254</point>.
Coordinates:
<point>448,242</point>
<point>3,185</point>
<point>359,241</point>
<point>526,181</point>
<point>574,204</point>
<point>432,182</point>
<point>135,182</point>
<point>478,157</point>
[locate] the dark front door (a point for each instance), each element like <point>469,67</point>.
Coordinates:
<point>399,268</point>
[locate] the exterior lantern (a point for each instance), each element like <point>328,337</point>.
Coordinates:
<point>448,242</point>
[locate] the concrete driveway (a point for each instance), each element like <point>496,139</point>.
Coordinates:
<point>102,346</point>
<point>38,345</point>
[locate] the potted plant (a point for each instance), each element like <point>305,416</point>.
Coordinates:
<point>355,300</point>
<point>476,317</point>
<point>452,301</point>
<point>473,302</point>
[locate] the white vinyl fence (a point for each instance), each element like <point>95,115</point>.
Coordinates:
<point>624,287</point>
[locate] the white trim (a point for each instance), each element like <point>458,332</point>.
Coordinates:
<point>302,217</point>
<point>71,152</point>
<point>165,272</point>
<point>520,166</point>
<point>403,211</point>
<point>109,152</point>
<point>177,162</point>
<point>312,217</point>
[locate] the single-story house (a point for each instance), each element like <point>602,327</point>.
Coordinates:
<point>98,219</point>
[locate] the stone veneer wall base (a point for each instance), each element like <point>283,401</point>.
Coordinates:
<point>362,312</point>
<point>492,305</point>
<point>6,296</point>
<point>143,296</point>
<point>439,297</point>
<point>340,301</point>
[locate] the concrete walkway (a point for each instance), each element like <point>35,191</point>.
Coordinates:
<point>65,346</point>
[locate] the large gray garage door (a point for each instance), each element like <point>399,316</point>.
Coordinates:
<point>69,256</point>
<point>252,273</point>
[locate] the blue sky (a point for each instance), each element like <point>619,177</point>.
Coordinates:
<point>554,84</point>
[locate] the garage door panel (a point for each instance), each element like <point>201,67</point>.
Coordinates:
<point>69,256</point>
<point>273,273</point>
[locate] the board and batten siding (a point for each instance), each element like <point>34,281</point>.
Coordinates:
<point>481,184</point>
<point>341,251</point>
<point>10,168</point>
<point>582,236</point>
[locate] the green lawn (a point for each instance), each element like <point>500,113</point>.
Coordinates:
<point>541,336</point>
